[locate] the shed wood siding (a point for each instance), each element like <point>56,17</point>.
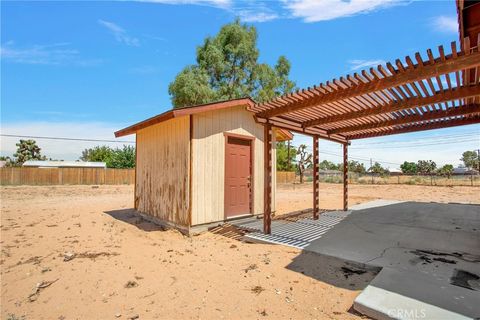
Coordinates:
<point>163,156</point>
<point>208,177</point>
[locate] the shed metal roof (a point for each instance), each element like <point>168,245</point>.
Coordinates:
<point>282,134</point>
<point>180,112</point>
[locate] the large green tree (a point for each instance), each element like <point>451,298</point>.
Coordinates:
<point>377,169</point>
<point>123,158</point>
<point>285,161</point>
<point>471,160</point>
<point>328,165</point>
<point>227,67</point>
<point>409,168</point>
<point>27,150</point>
<point>357,167</point>
<point>426,167</point>
<point>97,154</point>
<point>114,158</point>
<point>446,170</point>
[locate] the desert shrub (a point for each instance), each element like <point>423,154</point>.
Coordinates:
<point>363,181</point>
<point>333,179</point>
<point>415,180</point>
<point>353,178</point>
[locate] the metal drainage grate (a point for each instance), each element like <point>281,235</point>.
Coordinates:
<point>298,234</point>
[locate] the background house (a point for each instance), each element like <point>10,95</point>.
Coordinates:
<point>63,164</point>
<point>395,171</point>
<point>464,171</point>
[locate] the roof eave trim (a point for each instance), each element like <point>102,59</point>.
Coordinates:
<point>175,113</point>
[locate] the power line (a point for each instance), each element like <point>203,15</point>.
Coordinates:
<point>354,157</point>
<point>413,142</point>
<point>66,139</point>
<point>362,159</point>
<point>416,145</point>
<point>447,139</point>
<point>427,139</point>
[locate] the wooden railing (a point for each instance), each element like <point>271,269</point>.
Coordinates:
<point>65,176</point>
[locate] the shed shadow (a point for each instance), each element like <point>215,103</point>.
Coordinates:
<point>132,217</point>
<point>334,271</point>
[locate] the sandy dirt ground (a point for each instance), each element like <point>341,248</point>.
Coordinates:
<point>79,252</point>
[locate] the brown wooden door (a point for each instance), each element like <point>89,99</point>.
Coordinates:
<point>237,177</point>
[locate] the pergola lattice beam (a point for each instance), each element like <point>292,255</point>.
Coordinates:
<point>430,115</point>
<point>420,71</point>
<point>418,127</point>
<point>438,97</point>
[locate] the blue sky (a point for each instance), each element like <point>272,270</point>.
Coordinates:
<point>85,69</point>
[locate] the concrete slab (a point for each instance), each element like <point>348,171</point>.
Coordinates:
<point>374,204</point>
<point>367,235</point>
<point>401,294</point>
<point>419,245</point>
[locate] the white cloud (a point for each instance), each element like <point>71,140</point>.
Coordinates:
<point>53,54</point>
<point>252,16</point>
<point>447,24</point>
<point>308,10</point>
<point>248,11</point>
<point>60,149</point>
<point>119,33</point>
<point>363,64</point>
<point>322,10</point>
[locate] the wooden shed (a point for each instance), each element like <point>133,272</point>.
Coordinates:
<point>202,165</point>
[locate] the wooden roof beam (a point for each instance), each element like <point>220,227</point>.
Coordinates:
<point>419,127</point>
<point>419,72</point>
<point>438,97</point>
<point>433,115</point>
<point>306,131</point>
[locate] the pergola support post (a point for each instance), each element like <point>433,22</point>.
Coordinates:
<point>316,178</point>
<point>345,176</point>
<point>267,196</point>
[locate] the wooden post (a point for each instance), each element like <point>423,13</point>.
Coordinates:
<point>267,196</point>
<point>345,176</point>
<point>316,178</point>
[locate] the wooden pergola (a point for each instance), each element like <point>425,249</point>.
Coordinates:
<point>423,93</point>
